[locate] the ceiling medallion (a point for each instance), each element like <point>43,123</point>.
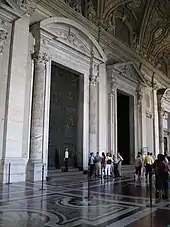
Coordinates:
<point>158,33</point>
<point>134,4</point>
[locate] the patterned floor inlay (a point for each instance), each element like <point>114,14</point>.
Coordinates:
<point>79,203</point>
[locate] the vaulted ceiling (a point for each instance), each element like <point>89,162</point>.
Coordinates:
<point>143,25</point>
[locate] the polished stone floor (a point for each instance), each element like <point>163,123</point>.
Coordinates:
<point>73,201</point>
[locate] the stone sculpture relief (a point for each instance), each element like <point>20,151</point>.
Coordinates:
<point>3,34</point>
<point>68,36</point>
<point>75,4</point>
<point>91,13</point>
<point>27,6</point>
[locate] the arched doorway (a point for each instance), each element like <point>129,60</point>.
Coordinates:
<point>67,45</point>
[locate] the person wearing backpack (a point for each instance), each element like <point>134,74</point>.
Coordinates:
<point>109,161</point>
<point>138,166</point>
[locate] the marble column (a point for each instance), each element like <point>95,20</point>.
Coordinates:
<point>93,114</point>
<point>37,117</point>
<point>113,114</point>
<point>161,130</point>
<point>139,102</point>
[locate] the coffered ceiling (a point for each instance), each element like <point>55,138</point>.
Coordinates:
<point>143,25</point>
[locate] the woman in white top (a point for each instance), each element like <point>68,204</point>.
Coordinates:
<point>109,161</point>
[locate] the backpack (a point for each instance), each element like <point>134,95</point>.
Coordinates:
<point>109,162</point>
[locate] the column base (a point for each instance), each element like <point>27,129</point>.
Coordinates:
<point>12,170</point>
<point>35,170</point>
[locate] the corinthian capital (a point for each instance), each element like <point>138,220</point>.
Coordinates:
<point>113,84</point>
<point>28,6</point>
<point>3,34</point>
<point>139,95</point>
<point>94,75</point>
<point>94,79</point>
<point>40,57</point>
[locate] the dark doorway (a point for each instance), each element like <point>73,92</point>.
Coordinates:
<point>125,137</point>
<point>65,124</point>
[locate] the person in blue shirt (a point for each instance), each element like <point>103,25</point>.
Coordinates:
<point>91,164</point>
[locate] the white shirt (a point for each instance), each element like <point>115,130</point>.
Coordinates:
<point>66,154</point>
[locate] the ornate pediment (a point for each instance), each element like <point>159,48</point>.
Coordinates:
<point>129,71</point>
<point>73,35</point>
<point>69,36</point>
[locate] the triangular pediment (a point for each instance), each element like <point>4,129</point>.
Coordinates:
<point>130,71</point>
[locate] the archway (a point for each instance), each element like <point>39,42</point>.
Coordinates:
<point>71,46</point>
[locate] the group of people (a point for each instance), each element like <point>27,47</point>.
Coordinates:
<point>105,165</point>
<point>159,167</point>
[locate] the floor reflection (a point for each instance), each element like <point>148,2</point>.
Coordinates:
<point>77,202</point>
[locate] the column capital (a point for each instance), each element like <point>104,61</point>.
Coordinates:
<point>161,110</point>
<point>94,75</point>
<point>40,57</point>
<point>113,85</point>
<point>94,79</point>
<point>4,25</point>
<point>139,95</point>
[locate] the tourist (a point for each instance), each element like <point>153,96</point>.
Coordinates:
<point>138,166</point>
<point>103,164</point>
<point>148,162</point>
<point>91,164</point>
<point>97,164</point>
<point>156,162</point>
<point>115,164</point>
<point>120,160</point>
<point>166,158</point>
<point>109,161</point>
<point>66,157</point>
<point>162,169</point>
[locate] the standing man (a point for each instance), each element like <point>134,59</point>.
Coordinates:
<point>66,157</point>
<point>148,162</point>
<point>120,160</point>
<point>91,164</point>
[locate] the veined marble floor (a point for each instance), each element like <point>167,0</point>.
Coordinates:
<point>72,201</point>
